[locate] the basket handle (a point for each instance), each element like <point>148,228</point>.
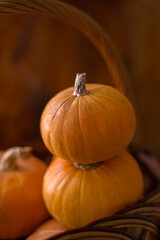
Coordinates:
<point>79,20</point>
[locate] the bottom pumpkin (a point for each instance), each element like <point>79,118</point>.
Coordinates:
<point>76,196</point>
<point>48,229</point>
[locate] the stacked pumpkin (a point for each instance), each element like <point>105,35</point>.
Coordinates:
<point>92,176</point>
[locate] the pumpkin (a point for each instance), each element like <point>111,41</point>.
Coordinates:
<point>87,125</point>
<point>48,229</point>
<point>21,204</point>
<point>78,194</point>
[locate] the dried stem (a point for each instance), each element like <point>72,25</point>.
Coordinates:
<point>8,160</point>
<point>79,86</point>
<point>85,167</point>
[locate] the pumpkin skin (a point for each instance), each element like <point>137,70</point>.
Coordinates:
<point>21,204</point>
<point>89,128</point>
<point>48,229</point>
<point>77,197</point>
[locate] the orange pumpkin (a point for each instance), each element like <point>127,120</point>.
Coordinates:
<point>76,196</point>
<point>21,204</point>
<point>48,229</point>
<point>87,125</point>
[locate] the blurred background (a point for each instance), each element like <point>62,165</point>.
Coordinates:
<point>40,57</point>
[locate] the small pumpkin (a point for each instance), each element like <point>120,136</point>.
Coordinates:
<point>21,204</point>
<point>87,125</point>
<point>48,229</point>
<point>77,196</point>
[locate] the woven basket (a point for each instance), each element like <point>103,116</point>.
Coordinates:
<point>135,222</point>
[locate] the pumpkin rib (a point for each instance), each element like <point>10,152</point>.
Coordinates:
<point>65,137</point>
<point>92,90</point>
<point>63,191</point>
<point>113,106</point>
<point>61,105</point>
<point>135,163</point>
<point>64,151</point>
<point>118,99</point>
<point>115,179</point>
<point>68,186</point>
<point>49,143</point>
<point>108,113</point>
<point>109,165</point>
<point>49,134</point>
<point>122,101</point>
<point>101,171</point>
<point>107,90</point>
<point>86,100</point>
<point>64,169</point>
<point>80,126</point>
<point>51,177</point>
<point>98,172</point>
<point>81,193</point>
<point>120,184</point>
<point>79,116</point>
<point>101,87</point>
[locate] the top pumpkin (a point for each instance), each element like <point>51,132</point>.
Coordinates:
<point>87,125</point>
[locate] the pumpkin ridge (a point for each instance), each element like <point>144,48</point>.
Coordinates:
<point>48,175</point>
<point>113,104</point>
<point>128,107</point>
<point>103,87</point>
<point>67,186</point>
<point>61,105</point>
<point>49,134</point>
<point>118,99</point>
<point>108,112</point>
<point>80,125</point>
<point>62,148</point>
<point>135,163</point>
<point>94,89</point>
<point>81,191</point>
<point>86,100</point>
<point>122,99</point>
<point>62,192</point>
<point>131,161</point>
<point>110,89</point>
<point>114,178</point>
<point>50,143</point>
<point>65,137</point>
<point>120,183</point>
<point>64,169</point>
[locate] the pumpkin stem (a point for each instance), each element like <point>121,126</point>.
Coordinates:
<point>79,86</point>
<point>85,167</point>
<point>8,160</point>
